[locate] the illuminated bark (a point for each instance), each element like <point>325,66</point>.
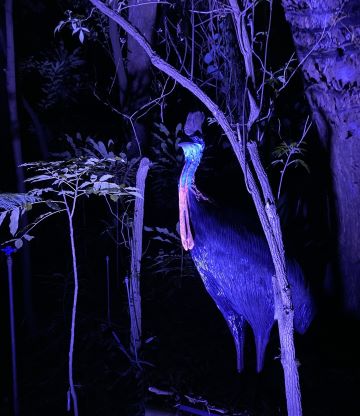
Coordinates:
<point>142,17</point>
<point>17,150</point>
<point>329,32</point>
<point>136,254</point>
<point>134,75</point>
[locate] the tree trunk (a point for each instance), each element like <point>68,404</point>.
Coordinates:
<point>142,17</point>
<point>72,389</point>
<point>328,33</point>
<point>17,151</point>
<point>136,254</point>
<point>118,60</point>
<point>134,78</point>
<point>284,310</point>
<point>11,92</point>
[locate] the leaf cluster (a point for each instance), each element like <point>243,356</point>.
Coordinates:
<point>284,155</point>
<point>61,75</point>
<point>56,185</point>
<point>166,147</point>
<point>170,258</point>
<point>76,23</point>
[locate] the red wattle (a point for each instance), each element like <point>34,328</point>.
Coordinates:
<point>185,231</point>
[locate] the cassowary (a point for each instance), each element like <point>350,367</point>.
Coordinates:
<point>234,264</point>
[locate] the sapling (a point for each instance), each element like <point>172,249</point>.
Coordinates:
<point>290,154</point>
<point>65,182</point>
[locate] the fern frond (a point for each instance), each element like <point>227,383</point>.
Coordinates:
<point>9,201</point>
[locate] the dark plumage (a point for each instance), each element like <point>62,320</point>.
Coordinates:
<point>235,264</point>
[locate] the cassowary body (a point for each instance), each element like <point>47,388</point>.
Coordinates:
<point>235,264</point>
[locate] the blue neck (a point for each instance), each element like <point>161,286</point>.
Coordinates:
<point>193,154</point>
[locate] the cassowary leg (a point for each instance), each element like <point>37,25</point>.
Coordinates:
<point>261,341</point>
<point>236,324</point>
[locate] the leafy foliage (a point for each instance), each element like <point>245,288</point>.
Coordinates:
<point>287,151</point>
<point>170,258</point>
<point>19,200</point>
<point>76,24</point>
<point>166,147</point>
<point>62,181</point>
<point>168,161</point>
<point>288,154</point>
<point>61,75</point>
<point>78,147</point>
<point>15,205</point>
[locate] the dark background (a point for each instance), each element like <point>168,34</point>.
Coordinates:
<point>191,350</point>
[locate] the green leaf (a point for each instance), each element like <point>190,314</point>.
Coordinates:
<point>11,201</point>
<point>178,129</point>
<point>40,191</point>
<point>92,161</point>
<point>105,187</point>
<point>136,194</point>
<point>165,231</point>
<point>39,178</point>
<point>70,193</point>
<point>105,177</point>
<point>163,129</point>
<point>276,162</point>
<point>59,26</point>
<point>164,240</point>
<point>304,165</point>
<point>84,184</point>
<point>27,206</point>
<point>53,205</point>
<point>14,221</point>
<point>114,197</point>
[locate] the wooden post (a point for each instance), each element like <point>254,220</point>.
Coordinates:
<point>17,153</point>
<point>136,253</point>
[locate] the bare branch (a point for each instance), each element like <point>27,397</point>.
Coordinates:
<point>168,69</point>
